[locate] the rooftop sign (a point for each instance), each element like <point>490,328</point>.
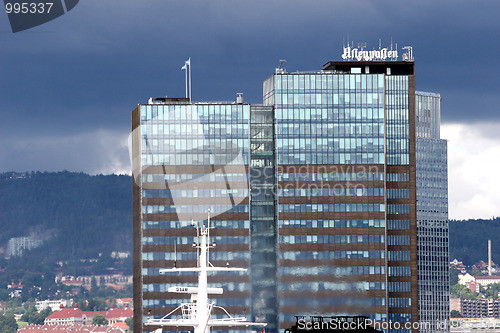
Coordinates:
<point>382,54</point>
<point>360,54</point>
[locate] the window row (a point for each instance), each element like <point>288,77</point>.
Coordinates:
<point>367,129</point>
<point>330,239</point>
<point>398,224</point>
<point>399,302</point>
<point>193,111</point>
<point>180,256</point>
<point>171,240</point>
<point>303,99</point>
<point>206,158</point>
<point>342,208</point>
<point>163,287</point>
<point>320,285</point>
<point>398,193</point>
<point>329,81</point>
<point>213,193</point>
<point>205,177</point>
<point>166,209</point>
<point>338,190</point>
<point>329,255</point>
<point>399,271</point>
<point>339,175</point>
<point>398,209</point>
<point>295,157</point>
<point>398,287</point>
<point>398,240</point>
<point>371,223</point>
<point>306,113</point>
<point>398,177</point>
<point>331,270</point>
<point>342,145</point>
<point>236,224</point>
<point>160,303</point>
<point>399,255</point>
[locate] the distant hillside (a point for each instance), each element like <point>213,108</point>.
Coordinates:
<point>81,215</point>
<point>469,240</point>
<point>78,215</point>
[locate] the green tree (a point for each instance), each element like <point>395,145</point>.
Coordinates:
<point>462,291</point>
<point>99,319</point>
<point>130,323</point>
<point>475,272</point>
<point>492,291</point>
<point>455,314</point>
<point>4,295</point>
<point>8,324</point>
<point>32,316</point>
<point>454,276</point>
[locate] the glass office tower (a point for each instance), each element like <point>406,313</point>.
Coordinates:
<point>432,214</point>
<point>187,159</point>
<point>345,156</point>
<point>314,191</point>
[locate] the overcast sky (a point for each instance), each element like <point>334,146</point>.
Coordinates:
<point>68,86</point>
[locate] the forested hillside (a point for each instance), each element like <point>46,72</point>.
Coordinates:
<point>77,215</point>
<point>81,215</point>
<point>469,240</point>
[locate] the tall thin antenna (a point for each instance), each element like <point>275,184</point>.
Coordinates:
<point>190,79</point>
<point>208,235</point>
<point>186,83</point>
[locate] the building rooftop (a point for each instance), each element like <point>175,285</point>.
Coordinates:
<point>374,67</point>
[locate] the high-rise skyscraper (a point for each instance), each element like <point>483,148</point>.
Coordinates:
<point>432,213</point>
<point>345,151</point>
<point>314,191</point>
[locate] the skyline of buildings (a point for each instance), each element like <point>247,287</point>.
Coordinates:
<point>315,191</point>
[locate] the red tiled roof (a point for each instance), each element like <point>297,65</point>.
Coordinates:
<point>121,324</point>
<point>69,329</point>
<point>119,313</point>
<point>78,313</point>
<point>67,313</point>
<point>487,277</point>
<point>126,299</point>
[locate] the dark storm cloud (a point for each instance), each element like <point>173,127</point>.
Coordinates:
<point>90,67</point>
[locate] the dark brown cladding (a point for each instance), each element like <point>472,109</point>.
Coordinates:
<point>137,237</point>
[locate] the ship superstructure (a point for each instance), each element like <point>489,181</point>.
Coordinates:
<point>198,312</point>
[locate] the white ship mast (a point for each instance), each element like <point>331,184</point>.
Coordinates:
<point>197,313</point>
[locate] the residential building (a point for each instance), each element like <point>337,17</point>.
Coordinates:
<point>485,280</point>
<point>480,308</point>
<point>54,305</point>
<point>70,316</point>
<point>115,315</point>
<point>123,302</point>
<point>476,282</point>
<point>315,191</point>
<point>76,316</point>
<point>432,213</point>
<point>455,304</point>
<point>456,264</point>
<point>17,245</point>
